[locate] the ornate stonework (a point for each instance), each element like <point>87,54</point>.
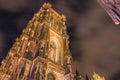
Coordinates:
<point>42,51</point>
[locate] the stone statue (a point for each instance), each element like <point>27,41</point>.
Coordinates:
<point>41,48</point>
<point>68,64</point>
<point>52,51</point>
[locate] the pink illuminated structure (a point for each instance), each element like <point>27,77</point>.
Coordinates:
<point>112,7</point>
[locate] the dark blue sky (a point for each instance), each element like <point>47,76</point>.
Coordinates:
<point>94,38</point>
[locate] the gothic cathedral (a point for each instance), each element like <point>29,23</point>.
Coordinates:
<point>42,50</point>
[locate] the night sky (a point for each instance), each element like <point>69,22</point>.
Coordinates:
<point>94,38</point>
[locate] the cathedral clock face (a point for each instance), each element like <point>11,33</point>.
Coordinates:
<point>54,50</point>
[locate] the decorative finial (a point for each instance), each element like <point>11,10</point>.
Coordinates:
<point>47,5</point>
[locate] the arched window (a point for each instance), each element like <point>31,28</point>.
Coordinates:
<point>50,76</point>
<point>55,50</point>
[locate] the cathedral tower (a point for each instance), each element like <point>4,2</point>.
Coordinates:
<point>42,51</point>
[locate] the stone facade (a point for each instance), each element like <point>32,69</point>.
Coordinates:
<point>42,51</point>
